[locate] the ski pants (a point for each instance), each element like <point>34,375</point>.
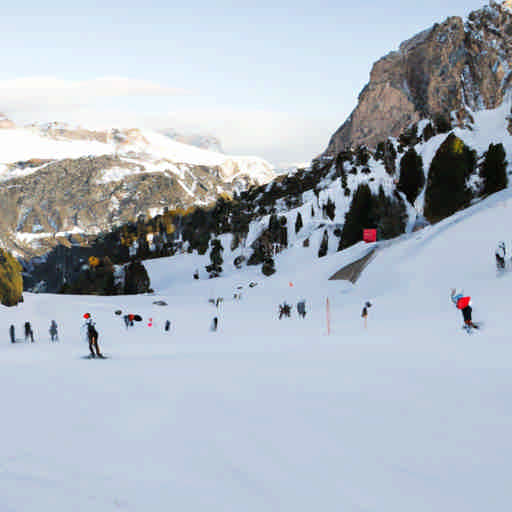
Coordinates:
<point>467,313</point>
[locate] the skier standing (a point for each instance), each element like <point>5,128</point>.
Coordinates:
<point>53,331</point>
<point>301,308</point>
<point>12,334</point>
<point>92,337</point>
<point>500,254</point>
<point>28,332</point>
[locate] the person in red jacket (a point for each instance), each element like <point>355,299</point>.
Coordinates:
<point>464,304</point>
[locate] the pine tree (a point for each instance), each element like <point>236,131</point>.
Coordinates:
<point>215,268</point>
<point>324,245</point>
<point>494,170</point>
<point>359,216</point>
<point>412,178</point>
<point>268,268</point>
<point>330,209</point>
<point>447,191</point>
<point>298,223</point>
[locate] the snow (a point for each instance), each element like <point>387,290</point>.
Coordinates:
<point>150,150</point>
<point>408,414</point>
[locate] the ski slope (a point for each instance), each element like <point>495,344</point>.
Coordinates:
<point>409,414</point>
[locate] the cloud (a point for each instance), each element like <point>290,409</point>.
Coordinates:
<point>43,93</point>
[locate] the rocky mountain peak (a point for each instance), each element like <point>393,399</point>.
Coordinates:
<point>451,69</point>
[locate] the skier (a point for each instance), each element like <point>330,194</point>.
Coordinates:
<point>92,337</point>
<point>500,256</point>
<point>28,332</point>
<point>215,324</point>
<point>12,334</point>
<point>364,313</point>
<point>53,331</point>
<point>167,327</point>
<point>464,304</point>
<point>301,308</point>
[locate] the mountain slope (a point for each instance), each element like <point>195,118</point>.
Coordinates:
<point>59,180</point>
<point>408,414</point>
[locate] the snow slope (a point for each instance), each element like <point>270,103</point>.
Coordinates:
<point>408,414</point>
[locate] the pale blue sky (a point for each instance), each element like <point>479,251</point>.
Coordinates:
<point>273,79</point>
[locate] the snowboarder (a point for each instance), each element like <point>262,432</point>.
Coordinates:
<point>53,331</point>
<point>301,308</point>
<point>215,324</point>
<point>167,327</point>
<point>12,334</point>
<point>464,304</point>
<point>92,336</point>
<point>28,332</point>
<point>500,254</point>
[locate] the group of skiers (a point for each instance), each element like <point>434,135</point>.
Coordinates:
<point>29,332</point>
<point>285,310</point>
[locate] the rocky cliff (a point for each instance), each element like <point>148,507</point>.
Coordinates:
<point>448,70</point>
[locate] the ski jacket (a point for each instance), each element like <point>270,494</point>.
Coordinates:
<point>460,301</point>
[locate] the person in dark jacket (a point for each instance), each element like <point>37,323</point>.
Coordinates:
<point>92,336</point>
<point>12,334</point>
<point>53,331</point>
<point>167,327</point>
<point>28,332</point>
<point>301,308</point>
<point>215,324</point>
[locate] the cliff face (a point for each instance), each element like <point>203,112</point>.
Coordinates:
<point>449,69</point>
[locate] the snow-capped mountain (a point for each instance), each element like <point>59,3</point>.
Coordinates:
<point>57,179</point>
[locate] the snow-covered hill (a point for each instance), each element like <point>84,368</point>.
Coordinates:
<point>410,413</point>
<point>154,151</point>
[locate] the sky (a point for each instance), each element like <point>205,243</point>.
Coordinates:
<point>269,79</point>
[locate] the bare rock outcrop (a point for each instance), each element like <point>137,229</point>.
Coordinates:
<point>449,70</point>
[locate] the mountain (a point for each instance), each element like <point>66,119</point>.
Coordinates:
<point>447,71</point>
<point>58,180</point>
<point>208,142</point>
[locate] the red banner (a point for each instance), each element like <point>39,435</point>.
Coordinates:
<point>369,235</point>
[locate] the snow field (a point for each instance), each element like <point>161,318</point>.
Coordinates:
<point>408,414</point>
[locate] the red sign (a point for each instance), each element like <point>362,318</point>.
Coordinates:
<point>369,235</point>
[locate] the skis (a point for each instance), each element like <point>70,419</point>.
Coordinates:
<point>475,326</point>
<point>90,356</point>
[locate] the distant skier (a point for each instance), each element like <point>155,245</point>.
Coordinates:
<point>464,304</point>
<point>284,310</point>
<point>215,324</point>
<point>167,327</point>
<point>500,254</point>
<point>53,331</point>
<point>12,334</point>
<point>126,319</point>
<point>92,337</point>
<point>301,308</point>
<point>364,313</point>
<point>29,333</point>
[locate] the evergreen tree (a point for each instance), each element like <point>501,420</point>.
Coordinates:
<point>298,223</point>
<point>268,268</point>
<point>215,268</point>
<point>412,178</point>
<point>447,191</point>
<point>324,245</point>
<point>359,216</point>
<point>494,170</point>
<point>330,209</point>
